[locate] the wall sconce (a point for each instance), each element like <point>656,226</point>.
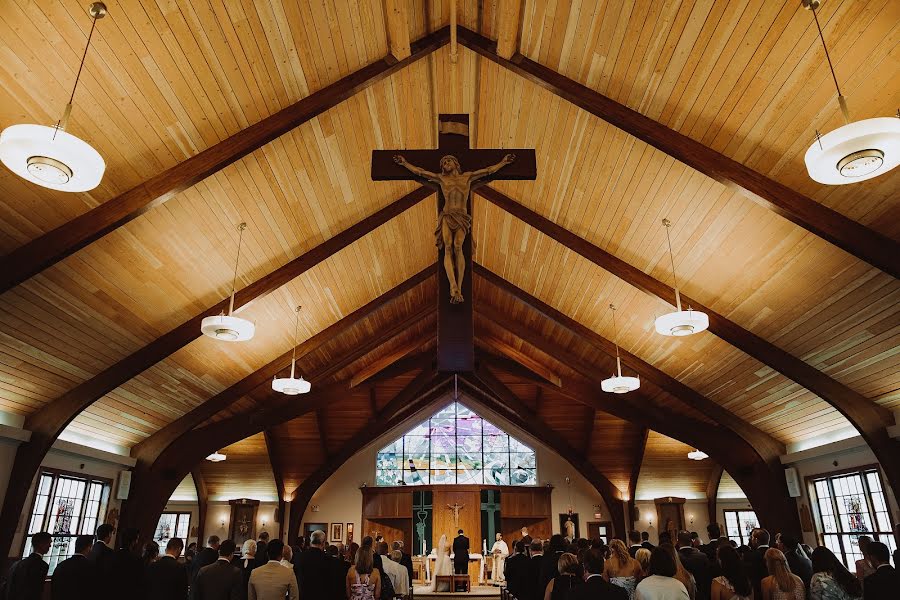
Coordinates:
<point>691,517</point>
<point>264,523</point>
<point>223,522</point>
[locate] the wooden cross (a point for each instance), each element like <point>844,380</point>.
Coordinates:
<point>456,328</point>
<point>456,507</point>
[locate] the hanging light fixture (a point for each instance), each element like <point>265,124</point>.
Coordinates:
<point>855,151</point>
<point>680,322</point>
<point>216,457</point>
<point>48,156</point>
<point>229,328</point>
<point>292,386</point>
<point>618,384</point>
<point>697,455</point>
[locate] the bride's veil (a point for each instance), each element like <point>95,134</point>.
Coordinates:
<point>442,544</point>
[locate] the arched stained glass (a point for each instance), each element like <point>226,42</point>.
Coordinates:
<point>456,446</point>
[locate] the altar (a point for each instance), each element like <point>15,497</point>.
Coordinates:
<point>476,568</point>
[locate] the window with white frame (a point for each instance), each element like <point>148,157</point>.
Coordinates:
<point>739,524</point>
<point>66,506</point>
<point>849,505</point>
<point>172,524</point>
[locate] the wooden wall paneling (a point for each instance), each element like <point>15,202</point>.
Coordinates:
<point>525,503</point>
<point>387,503</point>
<point>469,516</point>
<point>870,419</point>
<point>52,247</point>
<point>852,237</point>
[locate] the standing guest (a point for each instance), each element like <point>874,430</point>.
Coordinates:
<point>665,538</point>
<point>594,586</point>
<point>755,560</point>
<point>460,554</point>
<point>550,562</point>
<point>621,569</point>
<point>696,562</point>
<point>390,570</point>
<point>797,559</point>
<point>76,577</point>
<point>713,532</point>
<point>863,568</point>
<point>205,557</point>
<point>167,578</point>
<point>261,552</point>
<point>781,584</point>
<point>517,571</point>
<point>314,570</point>
<point>247,562</point>
<point>101,550</point>
<point>661,583</point>
<point>533,589</point>
<point>287,555</point>
<point>733,583</point>
<point>150,553</point>
<point>403,585</point>
<point>220,580</point>
<point>26,577</point>
<point>643,558</point>
<point>406,560</point>
<point>635,538</point>
<point>681,574</point>
<point>567,581</point>
<point>884,583</point>
<point>831,580</point>
<point>271,581</point>
<point>363,579</point>
<point>897,543</point>
<point>645,541</point>
<point>123,573</point>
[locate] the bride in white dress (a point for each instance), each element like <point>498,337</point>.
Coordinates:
<point>442,564</point>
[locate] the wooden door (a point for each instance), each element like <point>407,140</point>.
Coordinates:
<point>599,530</point>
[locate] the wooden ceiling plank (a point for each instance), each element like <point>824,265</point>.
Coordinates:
<point>509,20</point>
<point>322,426</point>
<point>404,365</point>
<point>513,368</point>
<point>527,362</point>
<point>50,248</point>
<point>396,17</point>
<point>383,363</point>
<point>869,418</point>
<point>852,237</point>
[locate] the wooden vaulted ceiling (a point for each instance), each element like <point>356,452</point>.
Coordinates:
<point>165,81</point>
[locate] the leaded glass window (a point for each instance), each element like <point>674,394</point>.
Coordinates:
<point>172,524</point>
<point>456,446</point>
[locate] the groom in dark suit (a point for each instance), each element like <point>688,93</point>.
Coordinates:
<point>461,554</point>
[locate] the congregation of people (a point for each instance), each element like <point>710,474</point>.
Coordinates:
<point>556,569</point>
<point>685,568</point>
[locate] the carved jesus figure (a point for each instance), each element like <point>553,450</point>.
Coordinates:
<point>454,222</point>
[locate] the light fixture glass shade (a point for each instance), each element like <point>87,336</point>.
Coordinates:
<point>682,322</point>
<point>63,162</point>
<point>855,152</point>
<point>620,385</point>
<point>227,328</point>
<point>216,457</point>
<point>291,386</point>
<point>697,455</point>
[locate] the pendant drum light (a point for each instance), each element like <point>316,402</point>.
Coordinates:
<point>292,386</point>
<point>855,151</point>
<point>697,455</point>
<point>216,457</point>
<point>680,322</point>
<point>49,156</point>
<point>229,328</point>
<point>617,384</point>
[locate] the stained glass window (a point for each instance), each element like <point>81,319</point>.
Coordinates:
<point>66,506</point>
<point>456,446</point>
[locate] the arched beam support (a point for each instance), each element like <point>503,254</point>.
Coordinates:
<point>712,492</point>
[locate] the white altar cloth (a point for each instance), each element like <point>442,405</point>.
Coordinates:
<point>429,564</point>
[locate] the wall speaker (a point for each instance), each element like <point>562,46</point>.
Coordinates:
<point>124,485</point>
<point>793,482</point>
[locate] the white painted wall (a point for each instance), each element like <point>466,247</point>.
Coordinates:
<point>694,510</point>
<point>218,513</point>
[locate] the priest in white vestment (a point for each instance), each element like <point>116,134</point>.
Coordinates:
<point>500,551</point>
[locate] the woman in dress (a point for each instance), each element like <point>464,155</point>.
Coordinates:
<point>781,584</point>
<point>643,558</point>
<point>863,568</point>
<point>621,569</point>
<point>363,579</point>
<point>733,583</point>
<point>661,583</point>
<point>247,562</point>
<point>568,579</point>
<point>682,574</point>
<point>831,580</point>
<point>442,564</point>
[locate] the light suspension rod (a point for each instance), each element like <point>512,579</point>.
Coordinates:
<point>97,11</point>
<point>237,261</point>
<point>667,224</point>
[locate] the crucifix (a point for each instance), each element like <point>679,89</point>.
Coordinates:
<point>455,507</point>
<point>454,170</point>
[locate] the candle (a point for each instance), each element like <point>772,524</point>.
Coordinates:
<point>484,546</point>
<point>423,547</point>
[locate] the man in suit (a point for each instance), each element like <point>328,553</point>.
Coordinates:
<point>800,564</point>
<point>272,581</point>
<point>595,587</point>
<point>645,541</point>
<point>550,562</point>
<point>713,531</point>
<point>755,562</point>
<point>220,580</point>
<point>122,574</point>
<point>696,562</point>
<point>533,588</point>
<point>517,571</point>
<point>461,554</point>
<point>635,538</point>
<point>884,583</point>
<point>167,578</point>
<point>76,577</point>
<point>26,577</point>
<point>526,539</point>
<point>261,543</point>
<point>314,569</point>
<point>405,560</point>
<point>102,548</point>
<point>205,557</point>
